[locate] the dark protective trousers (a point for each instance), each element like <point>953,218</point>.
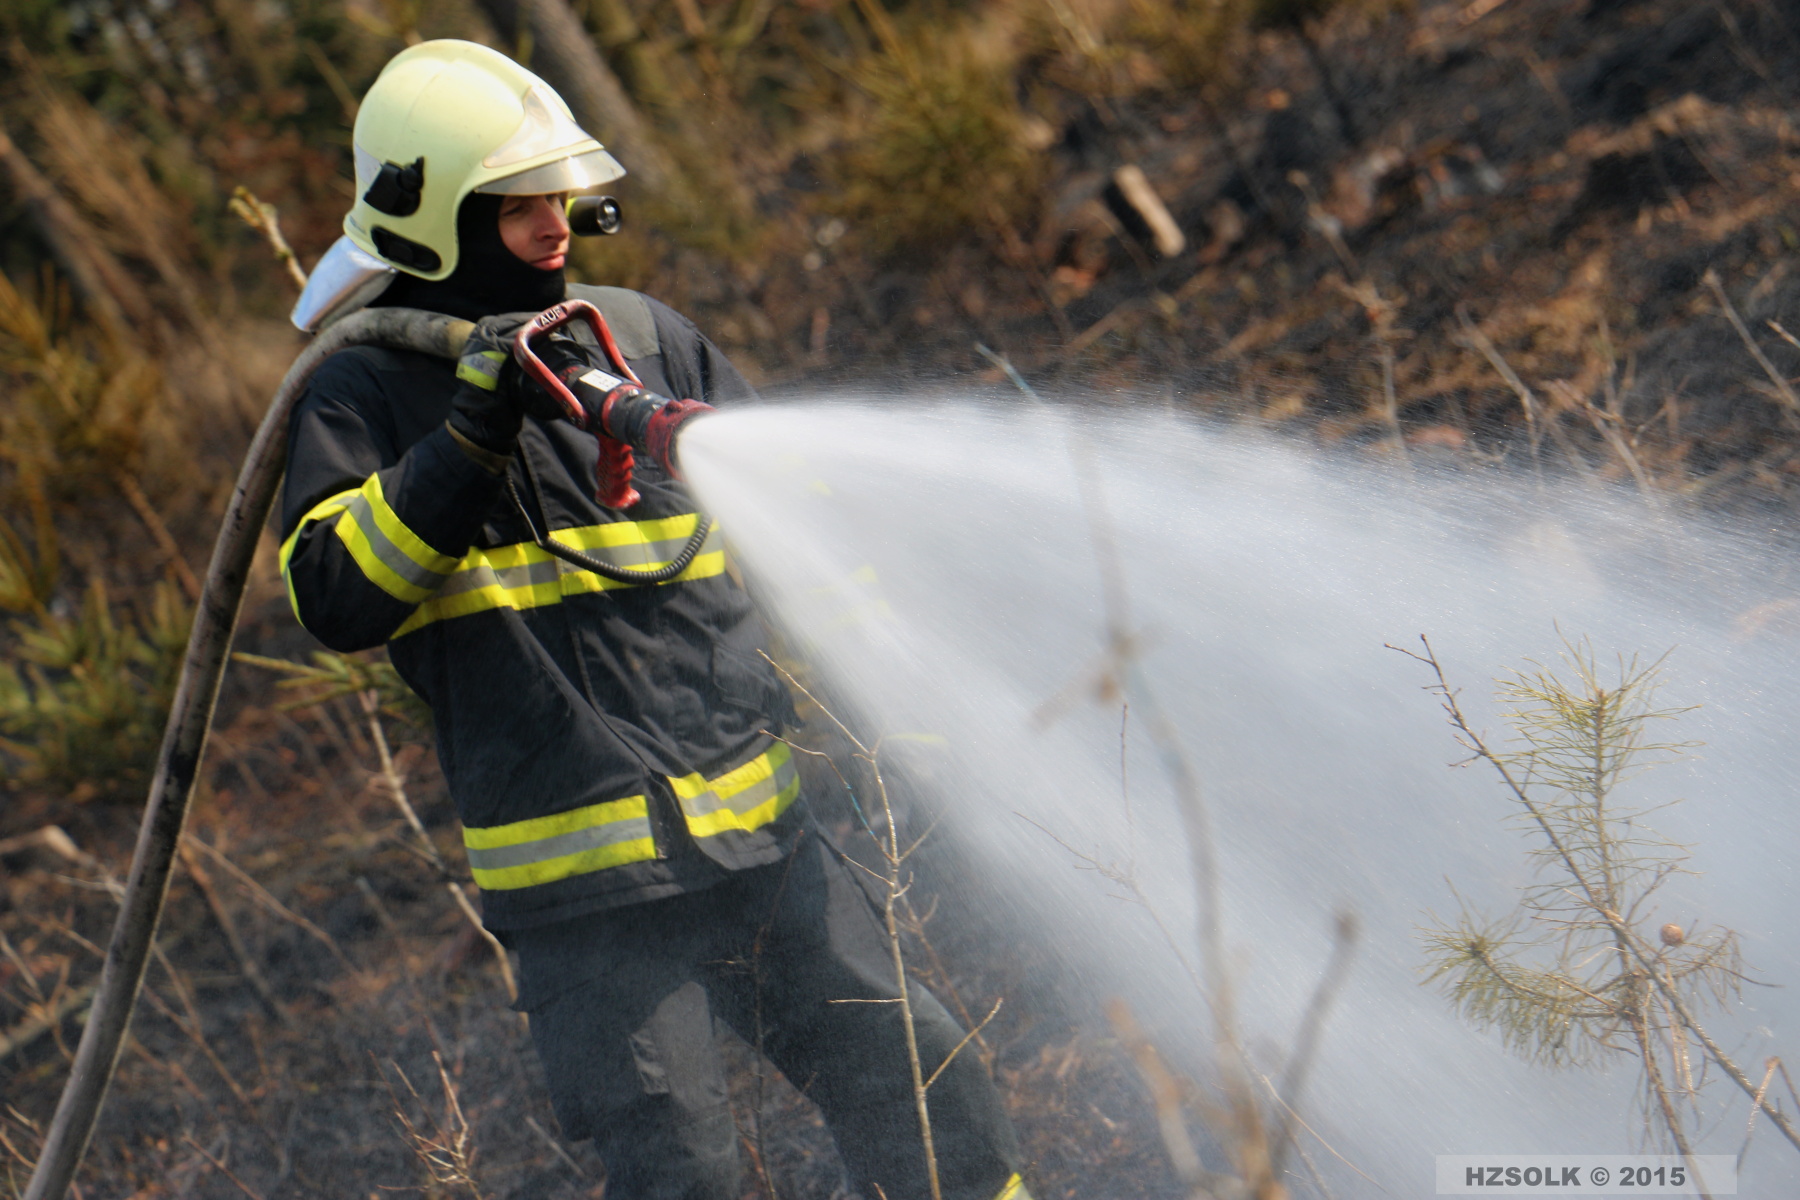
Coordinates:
<point>622,1005</point>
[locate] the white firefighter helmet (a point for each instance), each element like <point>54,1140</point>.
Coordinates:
<point>444,119</point>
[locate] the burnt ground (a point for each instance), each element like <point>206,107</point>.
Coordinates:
<point>367,977</point>
<point>1552,180</point>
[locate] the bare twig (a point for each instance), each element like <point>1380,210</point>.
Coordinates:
<point>159,532</point>
<point>233,938</point>
<point>261,215</point>
<point>1785,336</point>
<point>1379,311</point>
<point>1609,423</point>
<point>1011,372</point>
<point>1300,1122</point>
<point>43,1018</point>
<point>1762,1090</point>
<point>1293,1079</point>
<point>967,1038</point>
<point>1784,391</point>
<point>371,704</point>
<point>914,924</point>
<point>1793,1094</point>
<point>189,1025</point>
<point>275,907</point>
<point>1534,423</point>
<point>555,1146</point>
<point>894,893</point>
<point>222,1169</point>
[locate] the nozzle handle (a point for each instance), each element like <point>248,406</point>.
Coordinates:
<point>612,473</point>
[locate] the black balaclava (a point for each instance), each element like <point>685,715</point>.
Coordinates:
<point>488,278</point>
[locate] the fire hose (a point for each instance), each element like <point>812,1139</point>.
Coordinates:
<point>608,404</point>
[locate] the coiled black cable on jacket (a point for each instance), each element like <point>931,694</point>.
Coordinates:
<point>703,527</point>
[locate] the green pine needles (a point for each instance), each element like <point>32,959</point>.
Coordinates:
<point>332,675</point>
<point>1583,967</point>
<point>84,695</point>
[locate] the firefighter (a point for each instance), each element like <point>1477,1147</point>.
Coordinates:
<point>629,813</point>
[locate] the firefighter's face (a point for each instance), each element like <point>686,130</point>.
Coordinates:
<point>534,228</point>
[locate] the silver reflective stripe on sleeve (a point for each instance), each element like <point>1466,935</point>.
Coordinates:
<point>362,512</point>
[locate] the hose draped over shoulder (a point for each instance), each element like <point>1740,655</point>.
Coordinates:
<point>190,719</point>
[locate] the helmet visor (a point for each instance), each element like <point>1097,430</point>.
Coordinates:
<point>571,174</point>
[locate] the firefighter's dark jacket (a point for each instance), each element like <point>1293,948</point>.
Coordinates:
<point>605,743</point>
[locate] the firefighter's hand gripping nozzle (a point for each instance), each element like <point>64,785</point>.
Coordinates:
<point>615,406</point>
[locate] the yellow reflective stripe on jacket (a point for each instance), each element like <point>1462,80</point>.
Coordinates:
<point>394,558</point>
<point>328,507</point>
<point>744,799</point>
<point>1014,1189</point>
<point>391,556</point>
<point>524,575</point>
<point>545,849</point>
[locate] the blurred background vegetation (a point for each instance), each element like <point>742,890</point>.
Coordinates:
<point>1555,234</point>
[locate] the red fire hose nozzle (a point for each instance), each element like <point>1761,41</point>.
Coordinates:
<point>649,422</point>
<point>616,408</point>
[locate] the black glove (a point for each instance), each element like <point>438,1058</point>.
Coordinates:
<point>485,408</point>
<point>568,360</point>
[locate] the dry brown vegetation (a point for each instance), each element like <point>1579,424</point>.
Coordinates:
<point>1525,233</point>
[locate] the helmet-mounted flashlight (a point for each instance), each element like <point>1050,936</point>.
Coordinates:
<point>590,216</point>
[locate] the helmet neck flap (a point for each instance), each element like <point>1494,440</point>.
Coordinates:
<point>488,278</point>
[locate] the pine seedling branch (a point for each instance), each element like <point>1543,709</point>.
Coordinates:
<point>1580,969</point>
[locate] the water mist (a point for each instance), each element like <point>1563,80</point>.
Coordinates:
<point>936,562</point>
